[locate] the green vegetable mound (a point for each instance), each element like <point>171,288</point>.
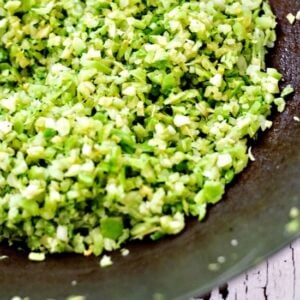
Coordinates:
<point>119,118</point>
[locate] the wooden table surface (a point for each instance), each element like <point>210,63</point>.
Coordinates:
<point>277,278</point>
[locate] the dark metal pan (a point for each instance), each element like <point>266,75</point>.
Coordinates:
<point>254,212</point>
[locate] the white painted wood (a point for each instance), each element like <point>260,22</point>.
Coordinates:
<point>277,278</point>
<point>237,288</point>
<point>296,248</point>
<point>216,295</point>
<point>256,282</point>
<point>281,279</point>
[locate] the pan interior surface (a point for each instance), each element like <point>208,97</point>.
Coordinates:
<point>249,224</point>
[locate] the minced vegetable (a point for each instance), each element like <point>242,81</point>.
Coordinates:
<point>120,118</point>
<point>291,18</point>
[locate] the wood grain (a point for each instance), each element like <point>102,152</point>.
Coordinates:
<point>277,278</point>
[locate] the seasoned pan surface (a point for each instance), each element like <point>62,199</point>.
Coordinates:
<point>244,228</point>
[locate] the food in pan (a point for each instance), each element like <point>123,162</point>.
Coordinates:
<point>118,119</point>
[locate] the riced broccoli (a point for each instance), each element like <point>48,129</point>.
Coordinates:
<point>120,118</point>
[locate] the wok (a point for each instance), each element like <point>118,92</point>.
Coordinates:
<point>254,212</point>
